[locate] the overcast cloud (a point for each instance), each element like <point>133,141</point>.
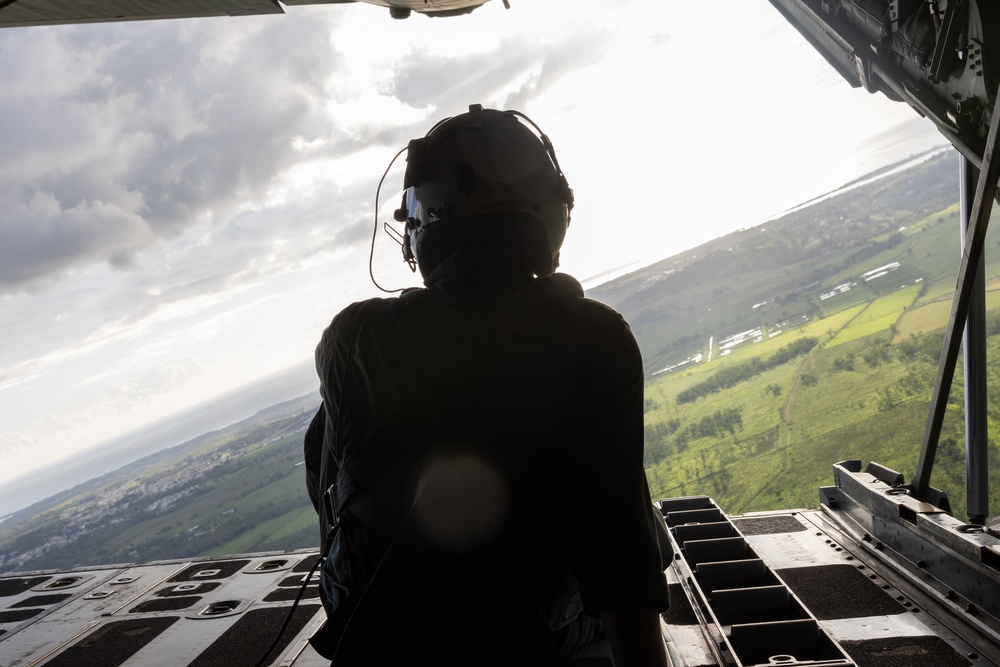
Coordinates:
<point>145,130</point>
<point>131,134</point>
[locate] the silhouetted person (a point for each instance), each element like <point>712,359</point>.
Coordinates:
<point>477,460</point>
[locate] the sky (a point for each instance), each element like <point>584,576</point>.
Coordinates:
<point>184,205</point>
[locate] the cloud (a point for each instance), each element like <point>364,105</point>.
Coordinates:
<point>41,236</point>
<point>359,231</point>
<point>576,53</point>
<point>425,78</point>
<point>152,381</point>
<point>117,137</point>
<point>146,129</point>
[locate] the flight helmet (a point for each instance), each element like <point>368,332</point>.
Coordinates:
<point>488,181</point>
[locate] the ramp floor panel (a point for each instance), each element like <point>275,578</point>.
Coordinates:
<point>843,606</point>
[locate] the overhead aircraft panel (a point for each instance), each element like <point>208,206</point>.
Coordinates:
<point>402,8</point>
<point>15,13</point>
<point>941,58</point>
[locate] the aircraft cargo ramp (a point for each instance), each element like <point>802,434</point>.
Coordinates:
<point>871,578</point>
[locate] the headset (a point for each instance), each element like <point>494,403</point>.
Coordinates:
<point>419,171</point>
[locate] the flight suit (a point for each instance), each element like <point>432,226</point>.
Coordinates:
<point>490,448</point>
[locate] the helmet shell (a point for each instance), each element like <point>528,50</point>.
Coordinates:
<point>480,168</point>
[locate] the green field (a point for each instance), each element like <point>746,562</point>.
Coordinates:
<point>862,393</point>
<point>239,491</point>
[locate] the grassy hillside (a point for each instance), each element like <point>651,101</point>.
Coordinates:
<point>869,275</point>
<point>238,490</point>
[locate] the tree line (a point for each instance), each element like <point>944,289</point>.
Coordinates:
<point>733,375</point>
<point>659,444</point>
